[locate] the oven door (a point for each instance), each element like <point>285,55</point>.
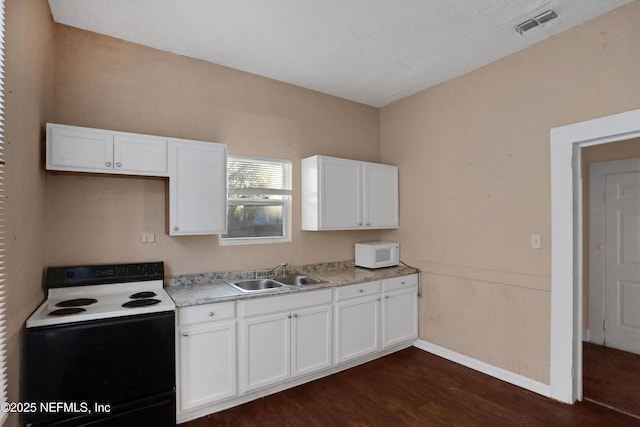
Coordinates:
<point>88,373</point>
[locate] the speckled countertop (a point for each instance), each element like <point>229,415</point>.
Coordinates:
<point>195,289</point>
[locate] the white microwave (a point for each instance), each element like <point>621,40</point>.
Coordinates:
<point>377,254</point>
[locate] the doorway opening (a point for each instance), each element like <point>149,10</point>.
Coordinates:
<point>611,276</point>
<point>567,311</point>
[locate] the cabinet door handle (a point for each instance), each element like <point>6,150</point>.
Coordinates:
<point>118,164</point>
<point>108,164</point>
<point>368,224</point>
<point>176,228</point>
<point>295,315</point>
<point>212,313</point>
<point>361,290</point>
<point>386,297</point>
<point>185,334</point>
<point>289,316</point>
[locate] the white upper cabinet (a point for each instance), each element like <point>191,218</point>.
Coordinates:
<point>341,194</point>
<point>380,195</point>
<point>197,188</point>
<point>71,148</point>
<point>197,170</point>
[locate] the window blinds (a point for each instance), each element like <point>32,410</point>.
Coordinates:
<point>3,368</point>
<point>250,177</point>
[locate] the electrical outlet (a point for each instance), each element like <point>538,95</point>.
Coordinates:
<point>535,241</point>
<point>148,238</point>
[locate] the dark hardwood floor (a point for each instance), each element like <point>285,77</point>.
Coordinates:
<point>411,388</point>
<point>611,377</point>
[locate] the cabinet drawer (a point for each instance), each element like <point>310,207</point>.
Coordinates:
<point>206,313</point>
<point>279,303</point>
<point>399,282</point>
<point>361,289</point>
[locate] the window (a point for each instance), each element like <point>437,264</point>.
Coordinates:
<point>259,208</point>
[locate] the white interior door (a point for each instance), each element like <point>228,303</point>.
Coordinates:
<point>614,317</point>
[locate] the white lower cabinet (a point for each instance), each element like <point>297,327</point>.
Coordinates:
<point>206,354</point>
<point>311,340</point>
<point>286,340</point>
<point>266,350</point>
<point>292,340</point>
<point>399,310</point>
<point>357,330</point>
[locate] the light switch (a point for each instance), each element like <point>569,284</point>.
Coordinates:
<point>535,241</point>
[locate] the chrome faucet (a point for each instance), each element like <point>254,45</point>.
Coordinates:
<point>282,265</point>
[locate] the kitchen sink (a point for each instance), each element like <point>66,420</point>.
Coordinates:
<point>253,285</point>
<point>296,280</point>
<point>256,285</point>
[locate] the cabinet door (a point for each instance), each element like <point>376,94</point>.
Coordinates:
<point>311,340</point>
<point>357,327</point>
<point>207,364</point>
<point>197,188</point>
<point>340,193</point>
<point>79,149</point>
<point>380,195</point>
<point>140,154</point>
<point>400,317</point>
<point>265,350</point>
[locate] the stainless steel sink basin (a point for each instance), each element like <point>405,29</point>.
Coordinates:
<point>254,285</point>
<point>257,285</point>
<point>296,280</point>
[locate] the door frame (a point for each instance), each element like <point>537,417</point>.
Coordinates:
<point>565,372</point>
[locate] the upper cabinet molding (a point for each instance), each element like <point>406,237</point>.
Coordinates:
<point>342,194</point>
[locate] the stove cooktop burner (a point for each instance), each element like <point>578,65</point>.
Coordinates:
<point>66,311</point>
<point>145,294</point>
<point>77,302</point>
<point>141,302</point>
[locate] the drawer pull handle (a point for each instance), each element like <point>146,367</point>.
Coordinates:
<point>211,314</point>
<point>361,290</point>
<point>185,334</point>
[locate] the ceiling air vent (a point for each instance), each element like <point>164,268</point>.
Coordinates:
<point>534,22</point>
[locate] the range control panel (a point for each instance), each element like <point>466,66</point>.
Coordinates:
<point>60,277</point>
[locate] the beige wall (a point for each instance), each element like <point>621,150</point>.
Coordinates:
<point>598,153</point>
<point>28,90</point>
<point>474,170</point>
<point>107,83</point>
<point>473,155</point>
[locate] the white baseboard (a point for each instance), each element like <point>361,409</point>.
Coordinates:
<point>485,368</point>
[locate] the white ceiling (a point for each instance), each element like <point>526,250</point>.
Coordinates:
<point>369,51</point>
